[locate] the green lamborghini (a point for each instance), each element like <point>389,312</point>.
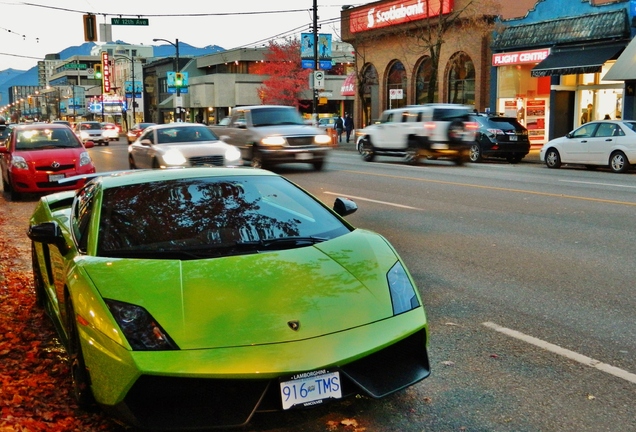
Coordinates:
<point>194,298</point>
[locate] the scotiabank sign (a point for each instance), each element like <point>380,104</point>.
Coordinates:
<point>520,57</point>
<point>396,12</point>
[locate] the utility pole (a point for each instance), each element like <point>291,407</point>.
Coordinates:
<point>316,66</point>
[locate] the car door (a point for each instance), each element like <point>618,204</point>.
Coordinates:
<point>602,143</point>
<point>143,153</point>
<point>575,149</point>
<point>393,133</point>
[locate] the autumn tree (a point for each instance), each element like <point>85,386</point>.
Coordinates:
<point>287,80</point>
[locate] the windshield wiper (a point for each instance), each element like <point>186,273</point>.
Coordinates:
<point>284,242</point>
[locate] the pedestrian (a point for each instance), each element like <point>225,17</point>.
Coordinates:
<point>348,124</point>
<point>339,127</point>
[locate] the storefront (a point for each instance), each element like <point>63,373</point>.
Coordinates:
<point>549,72</point>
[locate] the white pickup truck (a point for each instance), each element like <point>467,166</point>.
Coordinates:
<point>274,134</point>
<point>432,131</point>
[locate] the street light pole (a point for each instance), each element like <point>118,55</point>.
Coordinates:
<point>176,69</point>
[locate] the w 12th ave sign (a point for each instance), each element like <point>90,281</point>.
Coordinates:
<point>129,21</point>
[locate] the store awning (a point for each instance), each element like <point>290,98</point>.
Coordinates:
<point>625,67</point>
<point>576,60</point>
<point>349,85</point>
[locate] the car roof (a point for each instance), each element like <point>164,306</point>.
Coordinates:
<point>173,125</point>
<point>123,178</point>
<point>40,126</point>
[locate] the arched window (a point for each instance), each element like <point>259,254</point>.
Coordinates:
<point>396,85</point>
<point>461,80</point>
<point>424,82</point>
<point>369,87</point>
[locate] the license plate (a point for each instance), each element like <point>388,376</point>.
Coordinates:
<point>55,177</point>
<point>304,156</point>
<point>513,137</point>
<point>439,146</point>
<point>310,388</point>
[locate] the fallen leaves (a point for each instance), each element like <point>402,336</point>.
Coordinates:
<point>35,385</point>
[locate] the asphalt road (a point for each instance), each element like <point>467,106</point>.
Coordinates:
<point>527,275</point>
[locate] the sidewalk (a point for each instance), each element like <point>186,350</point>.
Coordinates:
<point>532,157</point>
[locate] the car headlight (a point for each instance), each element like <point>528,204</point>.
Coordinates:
<point>232,155</point>
<point>85,159</point>
<point>174,157</point>
<point>403,294</point>
<point>273,140</point>
<point>19,162</point>
<point>139,327</point>
<point>322,139</point>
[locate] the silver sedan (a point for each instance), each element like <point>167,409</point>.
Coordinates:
<point>177,145</point>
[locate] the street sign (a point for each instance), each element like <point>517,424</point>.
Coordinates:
<point>319,80</point>
<point>129,21</point>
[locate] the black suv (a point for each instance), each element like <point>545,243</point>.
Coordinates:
<point>499,137</point>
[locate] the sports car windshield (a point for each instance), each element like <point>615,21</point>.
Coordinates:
<point>211,217</point>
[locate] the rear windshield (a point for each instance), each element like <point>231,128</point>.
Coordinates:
<point>505,123</point>
<point>90,126</point>
<point>441,114</point>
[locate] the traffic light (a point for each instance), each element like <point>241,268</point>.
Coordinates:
<point>98,70</point>
<point>90,28</point>
<point>178,79</point>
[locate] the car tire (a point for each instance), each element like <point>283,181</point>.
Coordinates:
<point>155,164</point>
<point>552,159</point>
<point>13,194</point>
<point>456,130</point>
<point>368,154</point>
<point>318,164</point>
<point>514,159</point>
<point>257,160</point>
<point>412,154</point>
<point>131,162</point>
<point>619,162</point>
<point>80,377</point>
<point>475,152</point>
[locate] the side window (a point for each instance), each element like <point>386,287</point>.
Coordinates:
<point>81,216</point>
<point>605,130</point>
<point>389,118</point>
<point>240,119</point>
<point>585,131</point>
<point>149,135</point>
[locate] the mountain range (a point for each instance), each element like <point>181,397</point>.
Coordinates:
<point>13,77</point>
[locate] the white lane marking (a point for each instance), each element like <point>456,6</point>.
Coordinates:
<point>597,184</point>
<point>588,361</point>
<point>374,201</point>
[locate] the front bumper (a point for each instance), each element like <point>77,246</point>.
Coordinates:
<point>199,389</point>
<point>24,181</point>
<point>289,155</point>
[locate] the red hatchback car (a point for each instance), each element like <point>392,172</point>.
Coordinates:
<point>35,156</point>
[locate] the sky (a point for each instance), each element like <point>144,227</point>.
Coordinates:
<point>32,29</point>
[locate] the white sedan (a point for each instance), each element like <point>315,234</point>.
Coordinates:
<point>177,145</point>
<point>599,143</point>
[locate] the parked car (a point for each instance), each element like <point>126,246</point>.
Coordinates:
<point>64,122</point>
<point>134,132</point>
<point>194,298</point>
<point>91,131</point>
<point>111,131</point>
<point>181,145</point>
<point>609,143</point>
<point>35,156</point>
<point>420,131</point>
<point>499,137</point>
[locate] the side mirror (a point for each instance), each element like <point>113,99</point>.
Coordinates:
<point>344,206</point>
<point>89,144</point>
<point>48,233</point>
<point>145,142</point>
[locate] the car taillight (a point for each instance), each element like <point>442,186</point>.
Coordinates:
<point>496,131</point>
<point>472,126</point>
<point>429,126</point>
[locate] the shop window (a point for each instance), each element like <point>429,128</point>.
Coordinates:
<point>368,86</point>
<point>424,81</point>
<point>461,80</point>
<point>396,85</point>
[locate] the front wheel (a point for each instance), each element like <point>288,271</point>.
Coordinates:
<point>552,159</point>
<point>514,159</point>
<point>79,373</point>
<point>131,162</point>
<point>38,282</point>
<point>367,151</point>
<point>475,152</point>
<point>318,164</point>
<point>619,162</point>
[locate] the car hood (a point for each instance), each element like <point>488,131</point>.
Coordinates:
<point>256,299</point>
<point>199,148</point>
<point>288,130</point>
<point>42,157</point>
